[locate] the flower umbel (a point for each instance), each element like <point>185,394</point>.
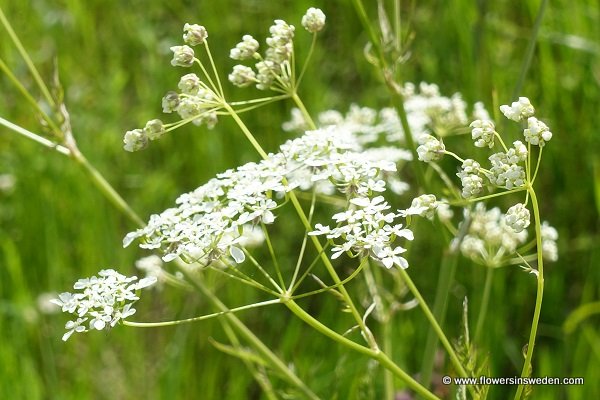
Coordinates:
<point>102,302</point>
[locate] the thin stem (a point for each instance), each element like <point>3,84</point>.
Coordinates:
<point>201,318</point>
<point>34,103</point>
<point>107,190</point>
<point>35,137</point>
<point>477,199</point>
<point>438,330</point>
<point>259,375</point>
<point>262,271</point>
<point>274,361</point>
<point>485,300</point>
<point>328,288</point>
<point>304,67</point>
<point>273,256</point>
<point>246,131</point>
<point>304,241</point>
<point>537,165</point>
<point>540,291</point>
<point>245,279</point>
<point>440,305</point>
<point>34,72</point>
<point>304,111</point>
<point>385,361</point>
<point>214,69</point>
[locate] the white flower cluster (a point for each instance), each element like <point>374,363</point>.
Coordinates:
<point>367,228</point>
<point>103,301</point>
<point>518,217</point>
<point>549,238</point>
<point>194,34</point>
<point>483,133</point>
<point>183,56</point>
<point>137,139</point>
<point>430,149</point>
<point>272,70</point>
<point>470,177</point>
<point>210,222</point>
<point>314,20</point>
<point>427,112</point>
<point>537,132</point>
<point>518,110</point>
<point>506,171</point>
<point>489,237</point>
<point>423,206</point>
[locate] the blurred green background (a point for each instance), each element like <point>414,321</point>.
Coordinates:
<point>113,59</point>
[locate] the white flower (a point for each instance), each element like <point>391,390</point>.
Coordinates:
<point>489,237</point>
<point>183,56</point>
<point>518,110</point>
<point>472,182</point>
<point>537,132</point>
<point>314,20</point>
<point>194,34</point>
<point>244,49</point>
<point>549,238</point>
<point>154,129</point>
<point>483,133</point>
<point>431,149</point>
<point>189,84</point>
<point>423,206</point>
<point>518,217</point>
<point>135,140</point>
<point>390,257</point>
<point>505,172</point>
<point>242,76</point>
<point>104,300</point>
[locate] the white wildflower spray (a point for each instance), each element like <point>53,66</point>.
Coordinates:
<point>102,301</point>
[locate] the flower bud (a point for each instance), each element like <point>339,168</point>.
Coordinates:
<point>314,20</point>
<point>183,56</point>
<point>194,34</point>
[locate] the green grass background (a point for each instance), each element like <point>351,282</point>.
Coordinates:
<point>114,64</point>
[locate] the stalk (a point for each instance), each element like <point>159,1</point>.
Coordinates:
<point>540,292</point>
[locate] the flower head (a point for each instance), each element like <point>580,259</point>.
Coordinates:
<point>314,20</point>
<point>102,301</point>
<point>483,133</point>
<point>135,140</point>
<point>518,217</point>
<point>431,149</point>
<point>245,49</point>
<point>194,34</point>
<point>518,110</point>
<point>183,56</point>
<point>537,132</point>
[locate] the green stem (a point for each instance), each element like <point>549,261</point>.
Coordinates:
<point>274,361</point>
<point>35,137</point>
<point>388,376</point>
<point>34,72</point>
<point>201,318</point>
<point>304,111</point>
<point>539,295</point>
<point>436,327</point>
<point>485,300</point>
<point>107,190</point>
<point>440,305</point>
<point>381,357</point>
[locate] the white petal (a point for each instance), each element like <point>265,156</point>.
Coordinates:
<point>237,254</point>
